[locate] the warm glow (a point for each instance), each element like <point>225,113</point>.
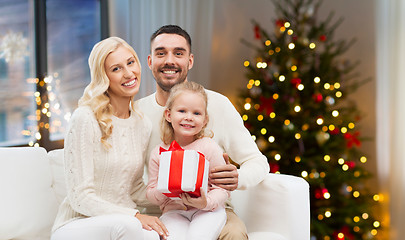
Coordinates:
<point>317,79</point>
<point>246,63</point>
<point>277,157</point>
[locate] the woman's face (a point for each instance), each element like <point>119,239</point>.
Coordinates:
<point>124,73</point>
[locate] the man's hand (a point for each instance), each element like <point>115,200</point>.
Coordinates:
<point>200,202</point>
<point>225,176</point>
<point>153,223</point>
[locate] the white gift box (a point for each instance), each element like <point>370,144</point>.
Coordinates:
<point>182,171</point>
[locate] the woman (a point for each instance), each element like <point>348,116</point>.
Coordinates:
<point>104,150</point>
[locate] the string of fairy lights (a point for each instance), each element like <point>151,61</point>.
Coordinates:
<point>49,114</point>
<point>327,127</point>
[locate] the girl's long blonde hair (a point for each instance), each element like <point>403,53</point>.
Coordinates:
<point>95,94</point>
<point>167,131</point>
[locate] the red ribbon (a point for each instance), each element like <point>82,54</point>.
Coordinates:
<point>173,147</point>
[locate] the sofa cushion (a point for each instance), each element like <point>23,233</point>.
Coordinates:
<point>27,203</point>
<point>57,169</point>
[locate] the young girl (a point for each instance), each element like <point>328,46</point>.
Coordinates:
<point>184,120</point>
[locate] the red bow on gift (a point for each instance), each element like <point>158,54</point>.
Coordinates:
<point>173,146</point>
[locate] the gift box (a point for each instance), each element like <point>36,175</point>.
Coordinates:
<point>182,171</point>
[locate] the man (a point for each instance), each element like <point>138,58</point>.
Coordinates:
<point>170,60</point>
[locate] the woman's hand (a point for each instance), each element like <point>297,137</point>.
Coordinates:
<point>153,223</point>
<point>200,202</point>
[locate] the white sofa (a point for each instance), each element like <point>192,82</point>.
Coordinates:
<point>32,186</point>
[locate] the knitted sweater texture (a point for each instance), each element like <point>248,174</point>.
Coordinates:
<point>103,181</point>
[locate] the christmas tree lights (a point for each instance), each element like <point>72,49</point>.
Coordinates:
<point>296,107</point>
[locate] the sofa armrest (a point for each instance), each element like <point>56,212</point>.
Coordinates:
<point>279,204</point>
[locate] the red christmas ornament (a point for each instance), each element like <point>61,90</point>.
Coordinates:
<point>352,139</point>
<point>334,131</point>
<point>274,167</point>
<point>322,38</point>
<point>351,164</point>
<point>257,32</point>
<point>296,81</point>
<point>280,22</point>
<point>266,105</point>
<point>317,97</point>
<point>319,193</point>
<point>347,235</point>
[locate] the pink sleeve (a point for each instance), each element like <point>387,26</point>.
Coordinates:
<point>153,195</point>
<point>216,196</point>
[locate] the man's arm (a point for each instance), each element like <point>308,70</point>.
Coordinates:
<point>237,142</point>
<point>225,176</point>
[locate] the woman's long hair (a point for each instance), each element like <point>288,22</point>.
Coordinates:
<point>95,94</point>
<point>167,131</point>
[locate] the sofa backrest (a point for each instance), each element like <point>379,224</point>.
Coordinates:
<point>28,204</point>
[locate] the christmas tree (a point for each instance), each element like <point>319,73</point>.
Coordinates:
<point>296,107</point>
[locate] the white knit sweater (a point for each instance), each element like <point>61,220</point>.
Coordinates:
<point>103,181</point>
<point>229,132</point>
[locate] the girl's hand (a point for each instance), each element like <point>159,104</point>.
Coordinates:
<point>200,202</point>
<point>153,223</point>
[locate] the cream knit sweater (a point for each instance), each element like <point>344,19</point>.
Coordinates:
<point>98,181</point>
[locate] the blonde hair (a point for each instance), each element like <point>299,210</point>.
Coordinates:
<point>167,131</point>
<point>95,94</point>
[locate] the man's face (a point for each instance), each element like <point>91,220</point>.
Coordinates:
<point>170,60</point>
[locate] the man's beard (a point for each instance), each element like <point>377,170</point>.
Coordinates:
<point>168,87</point>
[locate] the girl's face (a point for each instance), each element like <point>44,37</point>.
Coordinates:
<point>187,116</point>
<point>124,73</point>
